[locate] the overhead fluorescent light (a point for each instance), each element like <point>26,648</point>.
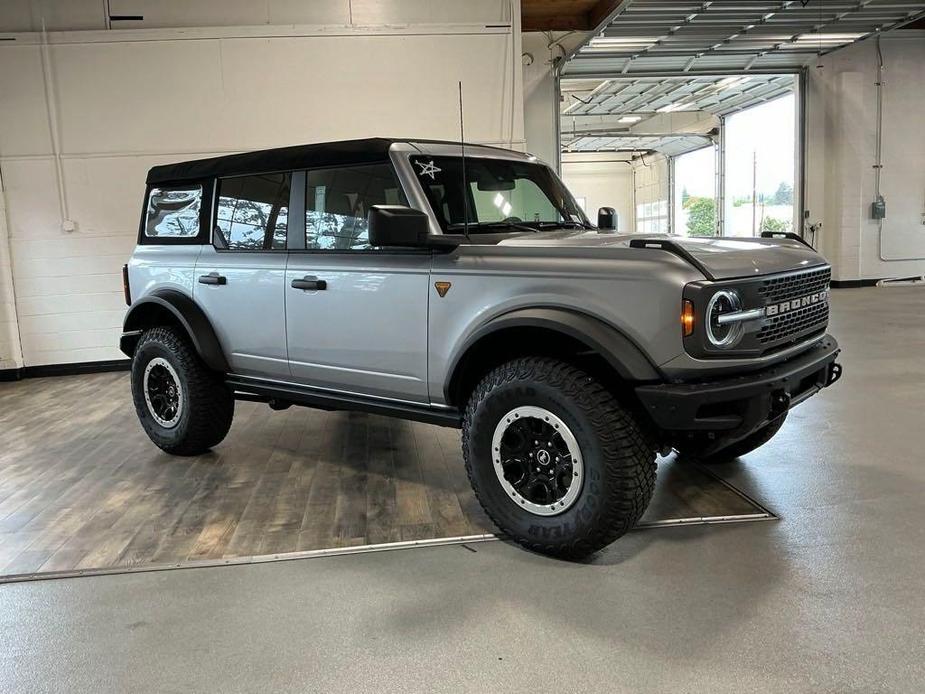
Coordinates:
<point>829,37</point>
<point>671,108</point>
<point>630,119</point>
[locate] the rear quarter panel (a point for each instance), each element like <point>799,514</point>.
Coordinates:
<point>162,267</point>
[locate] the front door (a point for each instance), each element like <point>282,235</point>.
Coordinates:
<point>239,280</point>
<point>356,316</point>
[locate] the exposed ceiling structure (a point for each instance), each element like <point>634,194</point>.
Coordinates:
<point>624,113</point>
<point>680,36</point>
<point>645,96</point>
<point>671,145</point>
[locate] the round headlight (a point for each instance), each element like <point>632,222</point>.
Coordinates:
<point>723,335</point>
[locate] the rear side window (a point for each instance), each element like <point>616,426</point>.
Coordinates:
<point>337,200</point>
<point>173,213</point>
<point>253,212</point>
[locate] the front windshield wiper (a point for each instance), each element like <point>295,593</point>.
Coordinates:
<point>504,224</point>
<point>565,225</point>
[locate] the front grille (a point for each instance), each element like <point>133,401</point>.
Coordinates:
<point>795,286</point>
<point>807,319</point>
<point>802,321</point>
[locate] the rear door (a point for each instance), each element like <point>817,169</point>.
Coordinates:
<point>240,277</point>
<point>356,316</point>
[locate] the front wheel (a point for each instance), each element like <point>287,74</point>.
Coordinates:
<point>184,408</point>
<point>555,460</point>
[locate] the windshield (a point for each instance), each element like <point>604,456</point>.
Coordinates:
<point>498,194</point>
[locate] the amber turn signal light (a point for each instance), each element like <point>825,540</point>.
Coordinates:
<point>687,317</point>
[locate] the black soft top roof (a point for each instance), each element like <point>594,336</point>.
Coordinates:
<point>281,159</point>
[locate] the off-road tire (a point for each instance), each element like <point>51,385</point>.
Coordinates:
<point>735,450</point>
<point>208,404</point>
<point>619,467</point>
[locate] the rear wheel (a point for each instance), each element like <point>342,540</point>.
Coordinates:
<point>183,406</point>
<point>558,464</point>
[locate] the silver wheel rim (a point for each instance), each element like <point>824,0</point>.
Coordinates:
<point>544,460</point>
<point>163,394</point>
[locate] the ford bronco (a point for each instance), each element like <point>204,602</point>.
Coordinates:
<point>463,286</point>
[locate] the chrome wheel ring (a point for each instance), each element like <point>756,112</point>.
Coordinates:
<point>537,460</point>
<point>163,394</point>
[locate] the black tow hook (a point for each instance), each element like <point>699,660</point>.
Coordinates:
<point>835,372</point>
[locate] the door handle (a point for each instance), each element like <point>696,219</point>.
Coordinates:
<point>309,282</point>
<point>213,278</point>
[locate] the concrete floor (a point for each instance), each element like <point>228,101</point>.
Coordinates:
<point>829,599</point>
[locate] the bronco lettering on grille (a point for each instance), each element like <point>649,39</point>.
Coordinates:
<point>795,304</point>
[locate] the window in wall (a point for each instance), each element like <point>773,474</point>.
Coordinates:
<point>760,168</point>
<point>173,212</point>
<point>695,193</point>
<point>337,201</point>
<point>253,211</point>
<point>652,217</point>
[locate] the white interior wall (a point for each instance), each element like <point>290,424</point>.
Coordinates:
<point>10,353</point>
<point>123,101</point>
<point>603,179</point>
<point>841,108</point>
<point>541,50</point>
<point>70,15</point>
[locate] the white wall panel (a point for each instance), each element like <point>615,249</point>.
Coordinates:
<point>58,15</point>
<point>604,181</point>
<point>23,121</point>
<point>841,143</point>
<point>10,352</point>
<point>126,101</point>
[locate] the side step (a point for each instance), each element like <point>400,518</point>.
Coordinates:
<point>281,395</point>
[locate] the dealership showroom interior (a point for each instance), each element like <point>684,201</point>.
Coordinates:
<point>443,345</point>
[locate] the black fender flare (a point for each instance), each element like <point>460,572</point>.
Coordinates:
<point>621,353</point>
<point>187,313</point>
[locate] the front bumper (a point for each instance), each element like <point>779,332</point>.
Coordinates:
<point>737,406</point>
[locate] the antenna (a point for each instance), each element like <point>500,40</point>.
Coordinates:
<point>462,145</point>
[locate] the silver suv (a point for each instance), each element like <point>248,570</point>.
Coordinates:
<point>463,286</point>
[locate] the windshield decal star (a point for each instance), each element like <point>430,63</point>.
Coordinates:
<point>428,169</point>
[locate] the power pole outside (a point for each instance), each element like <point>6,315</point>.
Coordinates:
<point>754,190</point>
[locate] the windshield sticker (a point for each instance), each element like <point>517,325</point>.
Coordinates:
<point>428,169</point>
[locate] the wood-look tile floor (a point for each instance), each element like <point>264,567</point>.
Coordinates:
<point>82,487</point>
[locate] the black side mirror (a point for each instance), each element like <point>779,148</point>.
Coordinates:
<point>397,225</point>
<point>607,219</point>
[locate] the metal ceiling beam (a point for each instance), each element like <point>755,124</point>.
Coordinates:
<point>750,36</point>
<point>604,21</point>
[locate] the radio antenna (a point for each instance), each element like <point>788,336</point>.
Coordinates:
<point>462,145</point>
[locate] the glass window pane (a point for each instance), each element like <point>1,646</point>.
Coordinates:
<point>253,211</point>
<point>495,191</point>
<point>173,212</point>
<point>337,201</point>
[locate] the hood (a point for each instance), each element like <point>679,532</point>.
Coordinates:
<point>718,258</point>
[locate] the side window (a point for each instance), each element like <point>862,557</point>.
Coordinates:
<point>253,211</point>
<point>337,201</point>
<point>173,212</point>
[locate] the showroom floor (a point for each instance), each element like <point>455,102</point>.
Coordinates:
<point>826,599</point>
<point>82,488</point>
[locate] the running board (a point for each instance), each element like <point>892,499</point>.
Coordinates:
<point>280,395</point>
